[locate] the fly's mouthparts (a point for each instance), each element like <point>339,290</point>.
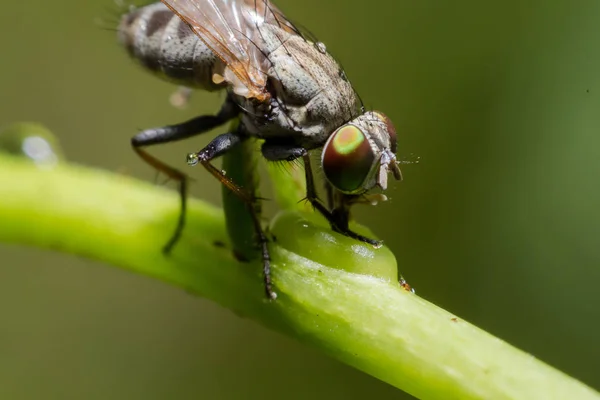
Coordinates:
<point>192,159</point>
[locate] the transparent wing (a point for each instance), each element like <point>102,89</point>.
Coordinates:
<point>231,28</point>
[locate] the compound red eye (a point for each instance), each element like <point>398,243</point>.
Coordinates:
<point>347,159</point>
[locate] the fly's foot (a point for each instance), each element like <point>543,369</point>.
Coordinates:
<point>166,250</point>
<point>271,295</point>
<point>266,258</point>
<point>334,223</point>
<point>375,243</point>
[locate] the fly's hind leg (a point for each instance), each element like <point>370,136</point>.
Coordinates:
<point>181,179</point>
<point>172,133</point>
<point>338,218</point>
<point>217,147</point>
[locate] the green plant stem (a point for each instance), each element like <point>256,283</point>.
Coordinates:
<point>367,322</point>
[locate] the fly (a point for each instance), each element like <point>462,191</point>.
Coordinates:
<point>283,87</point>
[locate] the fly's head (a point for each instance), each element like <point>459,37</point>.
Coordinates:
<point>358,155</point>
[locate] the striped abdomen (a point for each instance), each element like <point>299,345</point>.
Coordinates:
<point>164,44</point>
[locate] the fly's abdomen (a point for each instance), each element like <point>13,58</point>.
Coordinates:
<point>164,44</point>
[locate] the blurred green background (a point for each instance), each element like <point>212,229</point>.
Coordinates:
<point>499,223</point>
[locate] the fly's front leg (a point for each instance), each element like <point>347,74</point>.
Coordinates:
<point>340,207</point>
<point>337,219</point>
<point>340,203</point>
<point>330,193</point>
<point>219,146</point>
<point>172,133</point>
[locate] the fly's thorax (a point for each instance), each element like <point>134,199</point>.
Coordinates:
<point>358,156</point>
<point>161,42</point>
<point>310,95</point>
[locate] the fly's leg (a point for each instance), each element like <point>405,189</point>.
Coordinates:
<point>219,146</point>
<point>171,133</point>
<point>193,127</point>
<point>337,219</point>
<point>340,208</point>
<point>329,191</point>
<point>176,175</point>
<point>339,204</point>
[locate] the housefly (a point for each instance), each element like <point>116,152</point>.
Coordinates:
<point>283,86</point>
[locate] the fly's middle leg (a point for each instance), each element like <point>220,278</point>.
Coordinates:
<point>218,147</point>
<point>338,218</point>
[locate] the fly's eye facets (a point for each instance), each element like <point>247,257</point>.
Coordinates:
<point>347,159</point>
